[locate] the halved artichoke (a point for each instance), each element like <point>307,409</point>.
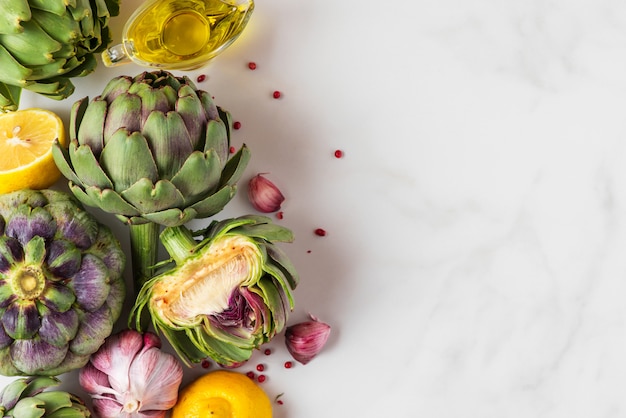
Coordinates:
<point>226,295</point>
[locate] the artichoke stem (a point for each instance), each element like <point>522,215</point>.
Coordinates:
<point>144,244</point>
<point>179,243</point>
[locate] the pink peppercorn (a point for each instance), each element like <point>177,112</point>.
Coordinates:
<point>252,65</point>
<point>261,378</point>
<point>237,125</point>
<point>276,94</point>
<point>201,78</point>
<point>320,232</point>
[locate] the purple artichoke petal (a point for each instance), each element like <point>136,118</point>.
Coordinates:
<point>93,329</point>
<point>81,228</point>
<point>92,133</point>
<point>10,252</point>
<point>90,283</point>
<point>57,298</point>
<point>190,109</point>
<point>21,321</point>
<point>124,113</point>
<point>63,259</point>
<point>5,340</point>
<point>27,224</point>
<point>169,141</point>
<point>151,100</point>
<point>7,295</point>
<point>35,356</point>
<point>115,87</point>
<point>59,328</point>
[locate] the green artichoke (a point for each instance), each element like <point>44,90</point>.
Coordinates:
<point>45,43</point>
<point>226,295</point>
<point>152,150</point>
<point>61,285</point>
<point>29,397</point>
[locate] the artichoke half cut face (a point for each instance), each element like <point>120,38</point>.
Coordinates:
<point>227,295</point>
<point>207,285</point>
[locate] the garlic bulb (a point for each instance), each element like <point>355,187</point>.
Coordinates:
<point>130,377</point>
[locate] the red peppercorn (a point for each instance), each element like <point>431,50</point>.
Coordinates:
<point>276,94</point>
<point>261,378</point>
<point>250,375</point>
<point>252,65</point>
<point>231,150</point>
<point>236,125</point>
<point>279,215</point>
<point>205,364</point>
<point>338,153</point>
<point>288,365</point>
<point>260,367</point>
<point>267,351</point>
<point>279,402</point>
<point>320,232</point>
<point>201,78</point>
<point>308,251</point>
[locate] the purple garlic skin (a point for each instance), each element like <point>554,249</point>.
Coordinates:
<point>130,377</point>
<point>306,339</point>
<point>264,195</point>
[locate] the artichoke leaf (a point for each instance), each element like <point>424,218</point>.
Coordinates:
<point>80,10</point>
<point>169,141</point>
<point>34,356</point>
<point>138,173</point>
<point>11,70</point>
<point>57,88</point>
<point>56,7</point>
<point>91,133</point>
<point>224,353</point>
<point>94,328</point>
<point>283,280</point>
<point>124,113</point>
<point>217,139</point>
<point>61,158</point>
<point>267,231</point>
<point>190,109</point>
<point>77,113</point>
<point>27,47</point>
<point>274,302</point>
<point>149,198</point>
<point>60,27</point>
<point>107,200</point>
<point>52,69</point>
<point>30,408</point>
<point>152,100</point>
<point>9,97</point>
<point>235,166</point>
<point>172,217</point>
<point>199,174</point>
<point>14,12</point>
<point>87,167</point>
<point>55,401</point>
<point>215,202</point>
<point>280,258</point>
<point>15,390</point>
<point>37,385</point>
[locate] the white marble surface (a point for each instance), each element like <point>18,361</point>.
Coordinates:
<point>475,262</point>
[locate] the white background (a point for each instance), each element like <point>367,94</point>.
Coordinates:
<point>475,261</point>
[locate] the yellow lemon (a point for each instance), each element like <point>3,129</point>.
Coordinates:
<point>26,138</point>
<point>222,394</point>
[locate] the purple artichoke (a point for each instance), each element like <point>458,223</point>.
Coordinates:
<point>61,285</point>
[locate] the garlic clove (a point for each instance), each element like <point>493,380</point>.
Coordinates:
<point>264,195</point>
<point>306,339</point>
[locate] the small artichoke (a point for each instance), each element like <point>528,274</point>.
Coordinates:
<point>61,285</point>
<point>227,294</point>
<point>151,148</point>
<point>45,43</point>
<point>29,397</point>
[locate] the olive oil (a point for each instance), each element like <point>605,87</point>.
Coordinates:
<point>180,34</point>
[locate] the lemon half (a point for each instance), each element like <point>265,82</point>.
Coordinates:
<point>26,138</point>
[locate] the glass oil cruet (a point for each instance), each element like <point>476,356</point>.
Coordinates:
<point>179,34</point>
